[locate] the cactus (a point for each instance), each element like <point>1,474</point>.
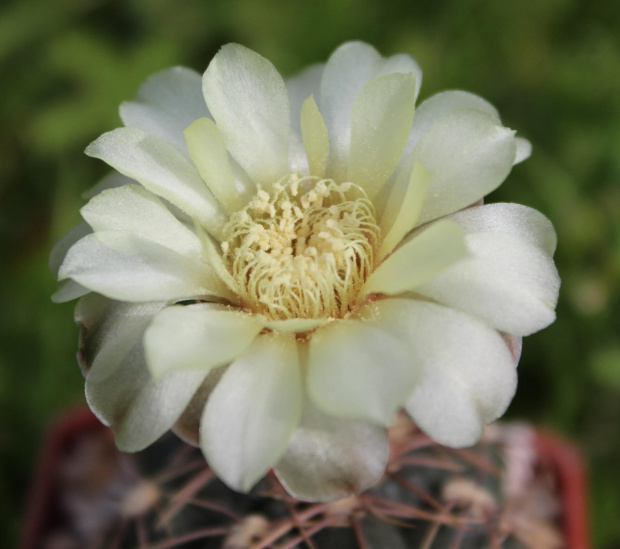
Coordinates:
<point>431,497</point>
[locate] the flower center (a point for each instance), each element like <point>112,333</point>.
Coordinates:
<point>303,251</point>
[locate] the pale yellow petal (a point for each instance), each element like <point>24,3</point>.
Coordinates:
<point>358,371</point>
<point>211,252</point>
<point>252,413</point>
<point>380,123</point>
<point>402,217</point>
<point>314,134</point>
<point>423,256</point>
<point>197,337</point>
<point>208,151</point>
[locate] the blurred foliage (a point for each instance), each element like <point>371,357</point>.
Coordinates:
<point>552,67</point>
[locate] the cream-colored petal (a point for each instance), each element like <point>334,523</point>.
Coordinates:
<point>469,154</point>
<point>380,122</point>
<point>208,151</point>
<point>441,104</point>
<point>133,209</point>
<point>330,458</point>
<point>315,138</point>
<point>402,212</point>
<point>128,268</point>
<point>109,330</point>
<point>163,170</point>
<point>99,320</point>
<point>420,258</point>
<point>426,115</point>
<point>119,388</point>
<point>348,70</point>
<point>68,291</point>
<point>166,104</point>
<point>524,150</point>
<point>60,249</point>
<point>197,337</point>
<point>112,180</point>
<point>358,371</point>
<point>468,373</point>
<point>509,282</point>
<point>515,219</point>
<point>187,426</point>
<point>401,63</point>
<point>138,408</point>
<point>252,413</point>
<point>249,102</point>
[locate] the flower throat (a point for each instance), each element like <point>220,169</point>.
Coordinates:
<point>302,251</point>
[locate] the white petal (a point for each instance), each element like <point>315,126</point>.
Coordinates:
<point>297,156</point>
<point>315,138</point>
<point>420,258</point>
<point>162,169</point>
<point>187,426</point>
<point>253,411</point>
<point>515,219</point>
<point>249,102</point>
<point>349,69</point>
<point>469,154</point>
<point>508,282</point>
<point>69,290</point>
<point>300,87</point>
<point>403,209</point>
<point>134,210</point>
<point>197,337</point>
<point>380,122</point>
<point>401,63</point>
<point>119,388</point>
<point>245,185</point>
<point>127,268</point>
<point>524,150</point>
<point>95,316</point>
<point>60,249</point>
<point>330,458</point>
<point>112,180</point>
<point>208,151</point>
<point>441,104</point>
<point>427,114</point>
<point>166,104</point>
<point>139,409</point>
<point>358,371</point>
<point>109,330</point>
<point>515,345</point>
<point>468,374</point>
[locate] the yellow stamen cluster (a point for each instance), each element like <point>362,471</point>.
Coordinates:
<point>302,251</point>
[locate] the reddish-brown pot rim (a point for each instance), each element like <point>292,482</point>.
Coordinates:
<point>563,457</point>
<point>63,430</point>
<point>567,461</point>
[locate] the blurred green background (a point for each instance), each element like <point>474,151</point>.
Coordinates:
<point>552,67</point>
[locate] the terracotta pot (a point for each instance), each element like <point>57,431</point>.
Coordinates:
<point>568,463</point>
<point>42,512</point>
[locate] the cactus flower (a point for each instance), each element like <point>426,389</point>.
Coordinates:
<point>277,267</point>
